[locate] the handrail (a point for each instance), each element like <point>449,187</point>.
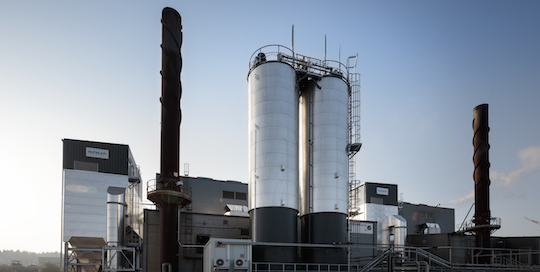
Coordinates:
<point>270,54</point>
<point>276,52</point>
<point>319,267</point>
<point>151,186</point>
<point>430,256</point>
<point>377,260</point>
<point>393,258</point>
<point>469,226</point>
<point>134,172</point>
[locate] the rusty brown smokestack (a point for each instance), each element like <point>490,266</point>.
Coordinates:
<point>168,181</point>
<point>169,194</point>
<point>171,91</point>
<point>482,213</point>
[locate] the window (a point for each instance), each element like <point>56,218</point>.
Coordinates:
<point>425,215</point>
<point>241,196</point>
<point>86,166</point>
<point>228,194</point>
<point>244,232</point>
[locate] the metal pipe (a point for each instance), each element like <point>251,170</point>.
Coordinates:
<point>115,225</point>
<point>482,213</point>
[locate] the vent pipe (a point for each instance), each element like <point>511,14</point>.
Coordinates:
<point>115,225</point>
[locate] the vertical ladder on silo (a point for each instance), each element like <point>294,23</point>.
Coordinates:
<point>354,139</point>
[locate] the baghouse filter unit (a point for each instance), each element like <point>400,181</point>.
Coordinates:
<point>299,155</point>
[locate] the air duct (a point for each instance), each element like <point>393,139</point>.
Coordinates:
<point>115,225</point>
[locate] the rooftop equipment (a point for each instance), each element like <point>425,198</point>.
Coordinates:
<point>227,255</point>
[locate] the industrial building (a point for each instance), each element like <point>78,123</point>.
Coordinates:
<point>303,207</point>
<point>101,206</point>
<point>218,209</point>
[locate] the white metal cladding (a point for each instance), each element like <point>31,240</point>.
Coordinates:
<point>273,136</point>
<point>376,213</point>
<point>85,202</point>
<point>330,139</point>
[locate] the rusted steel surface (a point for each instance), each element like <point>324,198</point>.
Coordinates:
<point>171,92</point>
<point>482,214</point>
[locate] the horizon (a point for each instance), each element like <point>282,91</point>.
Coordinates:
<point>91,71</point>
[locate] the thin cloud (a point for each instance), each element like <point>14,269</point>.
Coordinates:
<point>464,199</point>
<point>530,162</point>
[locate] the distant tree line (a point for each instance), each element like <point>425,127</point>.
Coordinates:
<point>24,257</point>
<point>46,267</point>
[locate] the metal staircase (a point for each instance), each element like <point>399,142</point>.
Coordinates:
<point>403,258</point>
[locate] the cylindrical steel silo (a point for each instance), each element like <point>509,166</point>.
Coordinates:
<point>324,217</point>
<point>273,159</point>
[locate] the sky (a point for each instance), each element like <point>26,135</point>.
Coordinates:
<point>89,70</point>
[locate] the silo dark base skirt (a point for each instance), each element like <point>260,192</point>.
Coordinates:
<point>274,225</point>
<point>324,228</point>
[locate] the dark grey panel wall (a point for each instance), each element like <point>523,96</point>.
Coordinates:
<point>419,214</point>
<point>522,243</point>
<point>212,196</point>
<point>75,151</point>
<point>438,244</point>
<point>151,241</point>
<point>194,230</point>
<point>205,225</point>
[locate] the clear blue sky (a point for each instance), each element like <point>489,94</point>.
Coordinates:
<point>89,70</point>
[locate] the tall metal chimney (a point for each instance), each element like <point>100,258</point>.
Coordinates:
<point>482,215</point>
<point>168,195</point>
